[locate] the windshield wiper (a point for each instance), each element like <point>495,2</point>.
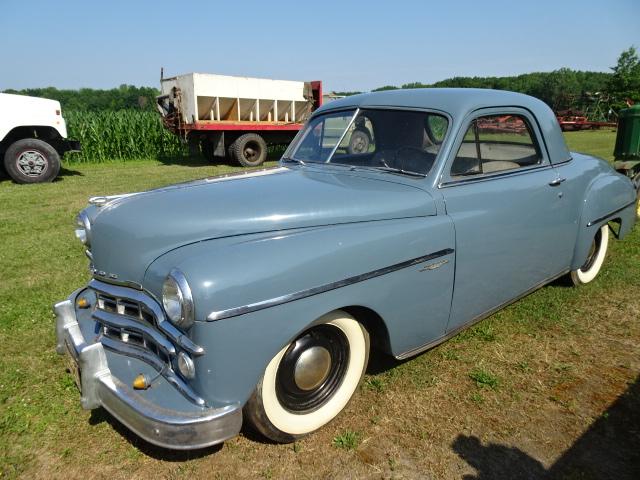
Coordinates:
<point>293,160</point>
<point>401,171</point>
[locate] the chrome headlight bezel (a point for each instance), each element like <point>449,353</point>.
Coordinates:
<point>84,232</point>
<point>177,300</point>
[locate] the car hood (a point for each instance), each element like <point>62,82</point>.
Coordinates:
<point>129,232</point>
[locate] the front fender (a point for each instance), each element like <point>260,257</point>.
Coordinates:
<point>609,197</point>
<point>233,272</point>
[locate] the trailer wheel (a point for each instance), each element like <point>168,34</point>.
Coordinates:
<point>250,150</point>
<point>31,161</point>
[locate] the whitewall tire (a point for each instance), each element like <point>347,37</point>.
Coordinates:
<point>598,251</point>
<point>310,381</point>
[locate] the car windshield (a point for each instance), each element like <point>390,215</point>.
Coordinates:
<point>399,141</point>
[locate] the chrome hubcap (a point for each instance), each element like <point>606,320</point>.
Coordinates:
<point>32,163</point>
<point>312,368</point>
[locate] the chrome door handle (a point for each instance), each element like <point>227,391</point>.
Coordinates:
<point>557,181</point>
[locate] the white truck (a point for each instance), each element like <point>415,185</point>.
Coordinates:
<point>223,115</point>
<point>33,138</point>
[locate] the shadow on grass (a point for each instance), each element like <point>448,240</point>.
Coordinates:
<point>273,155</point>
<point>64,172</point>
<point>609,449</point>
<point>67,172</point>
<point>159,453</point>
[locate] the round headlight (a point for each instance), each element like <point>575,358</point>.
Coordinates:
<point>83,232</point>
<point>177,300</point>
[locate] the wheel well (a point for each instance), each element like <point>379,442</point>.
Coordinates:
<point>378,332</point>
<point>47,134</point>
<point>617,222</point>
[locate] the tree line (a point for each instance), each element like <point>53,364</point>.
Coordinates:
<point>561,89</point>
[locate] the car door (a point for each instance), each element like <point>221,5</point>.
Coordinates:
<point>503,196</point>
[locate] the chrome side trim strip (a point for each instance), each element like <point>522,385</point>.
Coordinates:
<point>604,217</point>
<point>253,307</point>
<point>491,176</point>
<point>482,316</point>
<point>163,324</point>
<point>143,355</point>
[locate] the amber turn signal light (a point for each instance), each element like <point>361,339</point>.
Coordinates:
<point>83,303</point>
<point>141,382</point>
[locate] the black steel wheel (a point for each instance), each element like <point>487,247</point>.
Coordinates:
<point>312,368</point>
<point>249,150</point>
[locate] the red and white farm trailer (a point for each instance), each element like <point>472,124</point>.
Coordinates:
<point>222,115</point>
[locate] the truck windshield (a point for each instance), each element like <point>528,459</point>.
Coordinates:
<point>392,140</point>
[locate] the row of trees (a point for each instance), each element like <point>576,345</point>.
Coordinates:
<point>125,97</point>
<point>561,89</point>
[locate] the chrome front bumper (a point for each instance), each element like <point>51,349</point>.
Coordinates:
<point>158,425</point>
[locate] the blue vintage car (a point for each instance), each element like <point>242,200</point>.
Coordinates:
<point>395,219</point>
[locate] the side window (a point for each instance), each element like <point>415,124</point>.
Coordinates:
<point>496,143</point>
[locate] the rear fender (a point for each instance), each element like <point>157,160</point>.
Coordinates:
<point>609,198</point>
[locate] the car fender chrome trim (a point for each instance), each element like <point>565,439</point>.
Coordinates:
<point>604,217</point>
<point>253,307</point>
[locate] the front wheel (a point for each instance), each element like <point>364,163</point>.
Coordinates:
<point>310,381</point>
<point>597,252</point>
<point>31,161</point>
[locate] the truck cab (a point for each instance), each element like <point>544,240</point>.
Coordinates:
<point>33,138</point>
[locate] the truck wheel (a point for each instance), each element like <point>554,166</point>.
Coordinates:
<point>31,161</point>
<point>359,142</point>
<point>250,150</point>
<point>310,381</point>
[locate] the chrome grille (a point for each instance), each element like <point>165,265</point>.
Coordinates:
<point>124,306</point>
<point>138,335</point>
<point>132,323</point>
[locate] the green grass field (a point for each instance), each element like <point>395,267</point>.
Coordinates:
<point>532,378</point>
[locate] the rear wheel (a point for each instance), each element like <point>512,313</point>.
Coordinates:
<point>595,258</point>
<point>309,382</point>
<point>250,150</point>
<point>31,161</point>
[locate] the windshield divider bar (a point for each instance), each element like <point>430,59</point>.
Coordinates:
<point>342,136</point>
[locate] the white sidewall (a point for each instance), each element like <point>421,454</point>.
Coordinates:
<point>589,275</point>
<point>299,424</point>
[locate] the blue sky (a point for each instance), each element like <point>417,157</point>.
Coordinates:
<point>350,45</point>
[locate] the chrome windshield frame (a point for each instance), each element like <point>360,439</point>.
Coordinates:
<point>355,114</point>
<point>293,146</point>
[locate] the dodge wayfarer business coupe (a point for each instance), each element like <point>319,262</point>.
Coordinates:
<point>395,219</point>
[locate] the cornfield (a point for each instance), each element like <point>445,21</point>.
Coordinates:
<point>121,135</point>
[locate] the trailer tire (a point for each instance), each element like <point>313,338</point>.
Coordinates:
<point>249,150</point>
<point>31,160</point>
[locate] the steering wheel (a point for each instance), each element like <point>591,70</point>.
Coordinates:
<point>413,156</point>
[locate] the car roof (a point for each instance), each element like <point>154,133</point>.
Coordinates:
<point>458,102</point>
